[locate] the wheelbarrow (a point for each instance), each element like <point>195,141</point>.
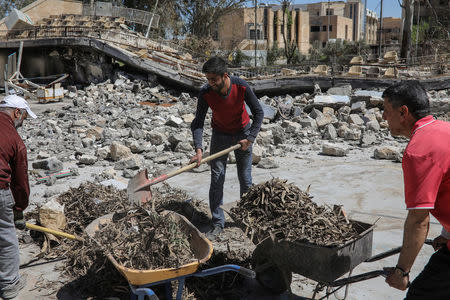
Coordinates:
<point>140,281</point>
<point>276,259</point>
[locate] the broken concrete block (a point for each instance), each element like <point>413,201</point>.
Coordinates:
<point>257,153</point>
<point>51,164</point>
<point>387,152</point>
<point>156,138</point>
<point>267,163</point>
<point>102,153</point>
<point>184,147</point>
<point>119,151</point>
<point>373,125</point>
<point>359,107</point>
<point>291,127</point>
<point>87,159</point>
<point>80,123</point>
<point>95,132</point>
<point>367,139</point>
<point>87,142</point>
<point>355,119</point>
<point>330,132</point>
<point>334,149</point>
<point>345,90</point>
<point>308,123</point>
<point>174,121</point>
<point>131,162</point>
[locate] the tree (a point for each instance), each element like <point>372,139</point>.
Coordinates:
<point>6,6</point>
<point>201,16</point>
<point>408,7</point>
<point>290,47</point>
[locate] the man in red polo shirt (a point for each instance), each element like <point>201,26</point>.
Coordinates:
<point>226,96</point>
<point>14,192</point>
<point>426,172</point>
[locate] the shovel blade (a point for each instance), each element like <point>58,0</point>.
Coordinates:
<point>137,194</point>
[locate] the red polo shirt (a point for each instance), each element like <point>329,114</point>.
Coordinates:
<point>426,169</point>
<point>13,163</point>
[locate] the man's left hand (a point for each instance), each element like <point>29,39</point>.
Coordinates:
<point>19,220</point>
<point>245,144</point>
<point>396,279</point>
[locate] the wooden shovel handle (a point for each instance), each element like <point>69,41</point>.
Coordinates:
<point>192,165</point>
<point>52,231</point>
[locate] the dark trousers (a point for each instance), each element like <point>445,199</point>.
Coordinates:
<point>219,142</point>
<point>433,283</point>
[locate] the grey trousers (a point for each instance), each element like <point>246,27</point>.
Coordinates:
<point>9,245</point>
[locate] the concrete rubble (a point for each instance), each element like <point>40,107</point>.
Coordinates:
<point>105,125</point>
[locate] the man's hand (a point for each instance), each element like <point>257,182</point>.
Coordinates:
<point>396,279</point>
<point>19,220</point>
<point>245,144</point>
<point>198,157</point>
<point>439,242</point>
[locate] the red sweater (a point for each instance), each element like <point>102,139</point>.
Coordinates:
<point>13,163</point>
<point>229,114</point>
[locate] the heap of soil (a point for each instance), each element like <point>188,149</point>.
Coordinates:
<point>144,240</point>
<point>278,208</point>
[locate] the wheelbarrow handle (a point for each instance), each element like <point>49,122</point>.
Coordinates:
<point>392,252</point>
<point>189,167</point>
<point>247,272</point>
<point>52,231</point>
<point>357,278</point>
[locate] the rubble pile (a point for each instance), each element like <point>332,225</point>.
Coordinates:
<point>104,125</point>
<point>275,207</point>
<point>143,240</point>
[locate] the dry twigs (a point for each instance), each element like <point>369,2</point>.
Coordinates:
<point>275,207</point>
<point>141,240</point>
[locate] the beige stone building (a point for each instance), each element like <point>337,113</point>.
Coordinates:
<point>371,27</point>
<point>238,30</point>
<point>391,33</point>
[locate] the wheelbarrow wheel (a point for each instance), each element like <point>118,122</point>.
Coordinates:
<point>273,278</point>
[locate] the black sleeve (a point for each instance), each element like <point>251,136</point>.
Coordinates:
<point>257,112</point>
<point>199,121</point>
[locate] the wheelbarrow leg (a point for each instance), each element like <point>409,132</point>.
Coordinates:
<point>168,290</point>
<point>180,288</point>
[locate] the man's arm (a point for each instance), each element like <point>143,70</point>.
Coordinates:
<point>198,122</point>
<point>20,187</point>
<point>257,112</point>
<point>414,235</point>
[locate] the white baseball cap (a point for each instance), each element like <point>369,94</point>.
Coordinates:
<point>15,101</point>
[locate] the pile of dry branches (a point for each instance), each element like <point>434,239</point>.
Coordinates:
<point>276,207</point>
<point>144,240</point>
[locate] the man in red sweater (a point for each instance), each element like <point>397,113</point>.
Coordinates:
<point>14,192</point>
<point>226,96</point>
<point>426,172</point>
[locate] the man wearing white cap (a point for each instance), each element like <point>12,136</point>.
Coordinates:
<point>14,192</point>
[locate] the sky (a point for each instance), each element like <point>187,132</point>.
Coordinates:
<point>391,8</point>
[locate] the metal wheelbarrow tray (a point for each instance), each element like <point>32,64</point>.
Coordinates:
<point>201,247</point>
<point>320,263</point>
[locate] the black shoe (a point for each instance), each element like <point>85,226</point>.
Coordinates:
<point>214,232</point>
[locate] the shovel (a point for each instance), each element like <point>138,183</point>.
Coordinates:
<point>138,189</point>
<point>52,231</point>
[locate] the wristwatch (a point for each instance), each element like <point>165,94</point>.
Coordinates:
<point>402,271</point>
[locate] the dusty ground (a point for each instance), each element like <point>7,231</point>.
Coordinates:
<point>368,189</point>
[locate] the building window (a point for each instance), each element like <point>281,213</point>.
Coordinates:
<point>318,13</point>
<point>351,11</point>
<point>346,32</point>
<point>330,11</point>
<point>324,28</point>
<point>315,28</point>
<point>252,33</point>
<point>330,28</point>
<point>324,44</point>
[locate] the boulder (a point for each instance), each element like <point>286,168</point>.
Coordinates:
<point>119,151</point>
<point>334,149</point>
<point>51,164</point>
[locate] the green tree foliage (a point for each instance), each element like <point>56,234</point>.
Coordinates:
<point>201,16</point>
<point>272,54</point>
<point>7,5</point>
